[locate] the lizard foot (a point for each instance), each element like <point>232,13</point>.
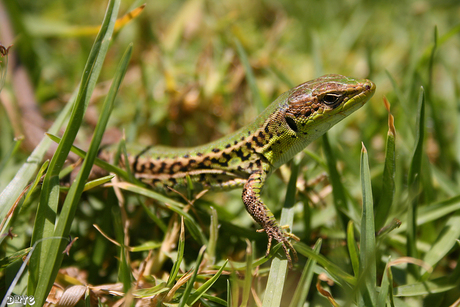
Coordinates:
<point>280,235</point>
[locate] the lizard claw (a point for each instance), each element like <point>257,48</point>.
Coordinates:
<point>280,235</point>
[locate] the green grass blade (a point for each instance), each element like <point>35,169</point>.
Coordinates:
<point>388,186</point>
<point>430,69</point>
<point>340,276</point>
<point>122,150</point>
<point>188,289</point>
<point>158,289</point>
<point>31,188</point>
<point>40,173</point>
<point>438,122</point>
<point>352,248</point>
<point>447,184</point>
<point>180,256</point>
<point>385,286</point>
<point>124,271</point>
<point>434,212</point>
<point>446,239</point>
<point>22,268</point>
<point>231,298</point>
<point>278,269</point>
<point>248,274</point>
<point>50,256</point>
<point>414,182</point>
<point>205,287</point>
<point>437,285</point>
<point>427,53</point>
<point>213,236</point>
<point>6,261</point>
<point>367,241</point>
<point>301,292</point>
<point>27,171</point>
<point>101,163</point>
<point>214,299</point>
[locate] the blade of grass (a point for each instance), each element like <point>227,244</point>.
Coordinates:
<point>44,223</point>
<point>6,261</point>
<point>385,287</point>
<point>248,274</point>
<point>14,211</point>
<point>352,248</point>
<point>213,236</point>
<point>367,240</point>
<point>301,292</point>
<point>389,170</point>
<point>278,269</point>
<point>231,296</point>
<point>214,299</point>
<point>340,276</point>
<point>439,126</point>
<point>188,289</point>
<point>101,163</point>
<point>446,239</point>
<point>447,184</point>
<point>180,256</point>
<point>441,41</point>
<point>414,183</point>
<point>434,212</point>
<point>21,270</point>
<point>123,152</point>
<point>205,286</point>
<point>437,285</point>
<point>25,174</point>
<point>146,292</point>
<point>124,270</point>
<point>91,184</point>
<point>52,255</point>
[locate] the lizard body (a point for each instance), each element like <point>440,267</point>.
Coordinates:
<point>245,158</point>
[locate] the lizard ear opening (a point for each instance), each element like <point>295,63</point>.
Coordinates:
<point>291,123</point>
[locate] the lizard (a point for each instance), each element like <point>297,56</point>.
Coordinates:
<point>244,159</point>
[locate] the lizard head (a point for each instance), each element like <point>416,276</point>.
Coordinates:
<point>309,110</point>
<point>315,106</point>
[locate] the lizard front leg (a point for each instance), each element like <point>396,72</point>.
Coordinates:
<point>262,215</point>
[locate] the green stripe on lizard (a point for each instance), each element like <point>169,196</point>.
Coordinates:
<point>245,158</point>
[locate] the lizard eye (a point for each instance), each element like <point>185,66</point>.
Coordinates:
<point>332,99</point>
<point>291,123</point>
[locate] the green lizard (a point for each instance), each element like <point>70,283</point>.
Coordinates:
<point>245,158</point>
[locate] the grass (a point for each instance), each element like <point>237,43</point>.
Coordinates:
<point>384,222</point>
